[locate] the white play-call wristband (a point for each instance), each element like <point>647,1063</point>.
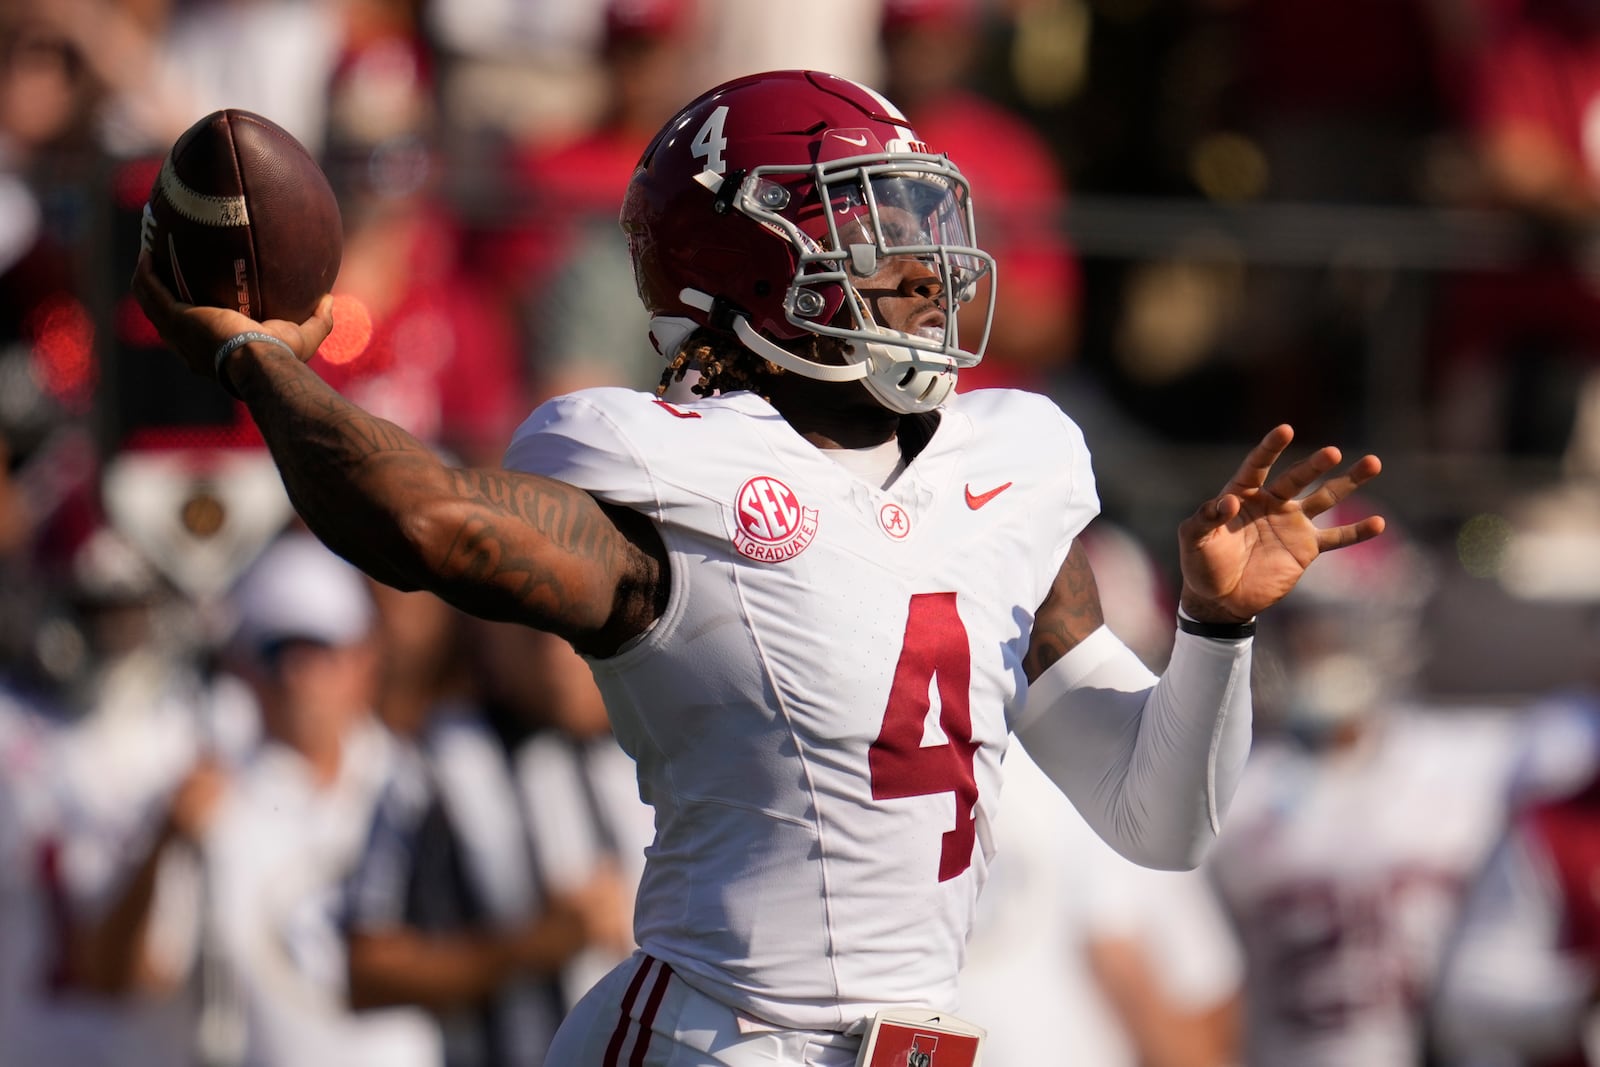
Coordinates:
<point>236,342</point>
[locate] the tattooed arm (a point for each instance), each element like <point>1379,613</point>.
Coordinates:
<point>1070,612</point>
<point>497,544</point>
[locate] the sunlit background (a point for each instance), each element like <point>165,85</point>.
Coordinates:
<point>1373,219</point>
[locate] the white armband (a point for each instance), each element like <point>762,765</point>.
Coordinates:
<point>1151,763</point>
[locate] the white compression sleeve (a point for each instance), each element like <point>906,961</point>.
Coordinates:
<point>1150,763</point>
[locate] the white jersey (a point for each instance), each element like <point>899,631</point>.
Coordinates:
<point>1344,873</point>
<point>581,802</point>
<point>31,947</point>
<point>278,850</point>
<point>819,716</point>
<point>91,797</point>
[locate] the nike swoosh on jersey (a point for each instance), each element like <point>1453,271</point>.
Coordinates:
<point>976,501</point>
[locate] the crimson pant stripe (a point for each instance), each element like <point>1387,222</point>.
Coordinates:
<point>620,1034</point>
<point>648,1019</point>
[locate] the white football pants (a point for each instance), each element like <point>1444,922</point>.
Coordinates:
<point>643,1015</point>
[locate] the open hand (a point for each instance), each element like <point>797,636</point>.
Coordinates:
<point>1245,548</point>
<point>196,333</point>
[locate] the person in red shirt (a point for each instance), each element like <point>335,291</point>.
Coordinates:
<point>419,337</point>
<point>565,189</point>
<point>929,49</point>
<point>1514,346</point>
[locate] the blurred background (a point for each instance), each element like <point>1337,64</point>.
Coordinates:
<point>1378,220</point>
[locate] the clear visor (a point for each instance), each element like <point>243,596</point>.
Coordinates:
<point>898,214</point>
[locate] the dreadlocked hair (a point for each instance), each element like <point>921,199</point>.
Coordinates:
<point>726,366</point>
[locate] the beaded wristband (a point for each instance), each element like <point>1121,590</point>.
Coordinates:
<point>236,342</point>
<point>1219,631</point>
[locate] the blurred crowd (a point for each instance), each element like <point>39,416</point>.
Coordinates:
<point>255,809</point>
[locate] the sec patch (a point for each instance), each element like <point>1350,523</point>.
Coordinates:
<point>771,525</point>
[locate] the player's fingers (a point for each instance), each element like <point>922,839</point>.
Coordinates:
<point>1353,533</point>
<point>151,293</point>
<point>1334,490</point>
<point>1294,481</point>
<point>316,329</point>
<point>1252,473</point>
<point>143,284</point>
<point>1211,515</point>
<point>151,296</point>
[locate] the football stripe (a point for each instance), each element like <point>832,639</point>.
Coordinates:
<point>181,286</point>
<point>200,207</point>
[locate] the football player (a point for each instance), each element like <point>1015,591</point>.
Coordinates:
<point>819,598</point>
<point>1364,812</point>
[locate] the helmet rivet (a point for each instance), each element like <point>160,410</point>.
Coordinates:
<point>808,302</point>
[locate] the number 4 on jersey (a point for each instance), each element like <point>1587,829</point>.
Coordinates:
<point>935,648</point>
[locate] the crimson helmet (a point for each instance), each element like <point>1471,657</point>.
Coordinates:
<point>756,205</point>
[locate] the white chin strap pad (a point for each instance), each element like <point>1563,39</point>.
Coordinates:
<point>904,382</point>
<point>924,392</point>
<point>898,376</point>
<point>786,359</point>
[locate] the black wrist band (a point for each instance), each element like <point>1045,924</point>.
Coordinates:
<point>1218,631</point>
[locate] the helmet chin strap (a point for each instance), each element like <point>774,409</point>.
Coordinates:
<point>786,359</point>
<point>883,370</point>
<point>766,349</point>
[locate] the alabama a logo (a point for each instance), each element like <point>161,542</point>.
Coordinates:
<point>894,521</point>
<point>771,525</point>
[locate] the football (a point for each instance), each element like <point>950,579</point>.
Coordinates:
<point>242,217</point>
